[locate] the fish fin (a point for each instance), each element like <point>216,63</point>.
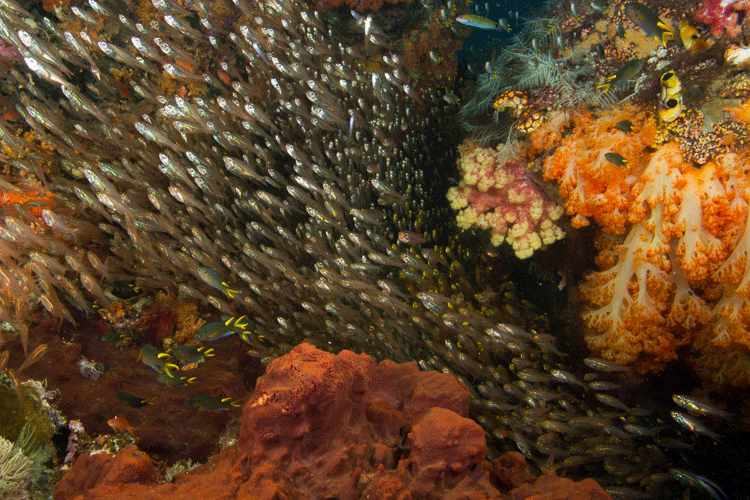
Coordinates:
<point>171,366</point>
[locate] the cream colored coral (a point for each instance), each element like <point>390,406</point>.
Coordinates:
<point>15,472</point>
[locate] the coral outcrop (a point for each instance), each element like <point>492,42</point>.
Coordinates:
<point>499,195</point>
<point>320,425</point>
<point>679,275</point>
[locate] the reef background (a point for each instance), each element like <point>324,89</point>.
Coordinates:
<point>291,164</point>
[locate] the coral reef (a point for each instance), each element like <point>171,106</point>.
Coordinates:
<point>500,196</point>
<point>168,427</point>
<point>669,281</point>
<point>537,62</point>
<point>320,425</point>
<point>257,158</point>
<point>669,195</point>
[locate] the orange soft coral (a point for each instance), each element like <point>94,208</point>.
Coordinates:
<point>594,187</point>
<point>680,273</point>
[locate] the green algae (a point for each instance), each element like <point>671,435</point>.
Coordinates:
<point>28,421</point>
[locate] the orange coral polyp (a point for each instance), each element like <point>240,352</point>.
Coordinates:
<point>595,188</point>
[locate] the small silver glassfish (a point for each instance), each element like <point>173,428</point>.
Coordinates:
<point>699,406</point>
<point>693,425</point>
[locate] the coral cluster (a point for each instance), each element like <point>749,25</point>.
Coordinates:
<point>724,16</point>
<point>320,425</point>
<point>500,196</point>
<point>661,175</point>
<point>677,277</point>
<point>592,186</point>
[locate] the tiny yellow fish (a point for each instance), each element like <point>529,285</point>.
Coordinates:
<point>33,357</point>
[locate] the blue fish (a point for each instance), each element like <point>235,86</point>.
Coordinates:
<point>174,380</point>
<point>157,361</point>
<point>190,354</point>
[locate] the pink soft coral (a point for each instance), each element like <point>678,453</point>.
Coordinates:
<point>723,15</point>
<point>499,195</point>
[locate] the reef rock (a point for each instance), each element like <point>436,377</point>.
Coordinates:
<point>320,425</point>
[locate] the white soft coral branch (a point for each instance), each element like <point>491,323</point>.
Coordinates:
<point>621,309</point>
<point>697,247</point>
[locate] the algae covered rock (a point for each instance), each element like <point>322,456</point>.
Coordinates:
<point>31,413</point>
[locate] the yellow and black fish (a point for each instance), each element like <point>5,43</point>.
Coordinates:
<point>670,86</point>
<point>670,109</point>
<point>132,400</point>
<point>625,126</point>
<point>212,403</point>
<point>691,38</point>
<point>649,22</point>
<point>616,159</point>
<point>622,76</point>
